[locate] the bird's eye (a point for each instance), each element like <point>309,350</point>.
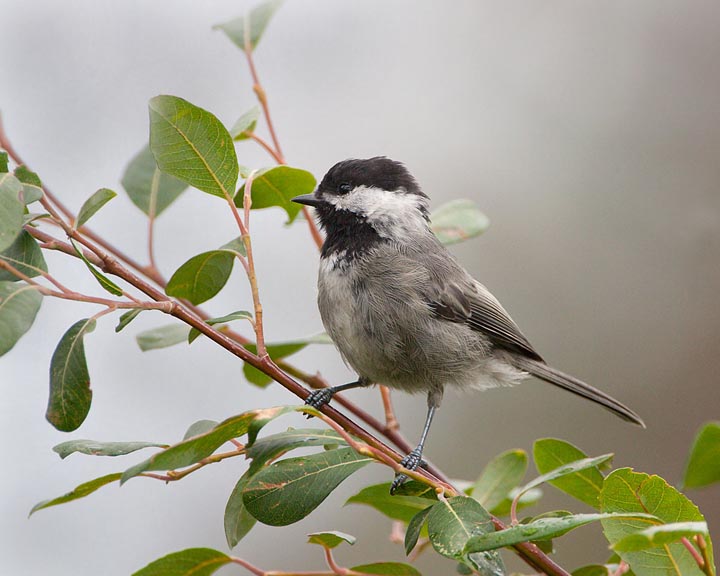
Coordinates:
<point>344,188</point>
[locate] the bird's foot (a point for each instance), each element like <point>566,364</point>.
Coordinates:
<point>319,398</point>
<point>412,461</point>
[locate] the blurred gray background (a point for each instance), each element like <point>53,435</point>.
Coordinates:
<point>588,132</point>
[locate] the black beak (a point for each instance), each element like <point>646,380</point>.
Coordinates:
<point>308,200</point>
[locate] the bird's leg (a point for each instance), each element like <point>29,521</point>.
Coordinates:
<point>318,398</point>
<point>413,460</point>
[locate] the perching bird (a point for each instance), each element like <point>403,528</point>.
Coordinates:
<point>399,307</point>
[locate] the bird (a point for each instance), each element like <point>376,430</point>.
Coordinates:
<point>399,307</point>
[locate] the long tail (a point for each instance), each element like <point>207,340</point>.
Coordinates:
<point>550,374</point>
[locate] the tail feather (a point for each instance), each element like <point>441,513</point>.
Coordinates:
<point>571,384</point>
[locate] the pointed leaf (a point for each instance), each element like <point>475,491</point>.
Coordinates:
<point>500,476</point>
<point>32,186</point>
<point>657,536</point>
<point>236,246</point>
<point>543,529</point>
<point>247,30</point>
<point>272,447</point>
<point>239,315</point>
<point>458,220</point>
<point>11,209</point>
<point>150,189</point>
<point>193,145</point>
<point>93,204</point>
<point>127,317</point>
<point>330,539</point>
<point>387,569</point>
<point>25,255</point>
<point>403,508</point>
<point>19,304</point>
<point>94,448</point>
<point>289,490</point>
<point>414,529</point>
<point>103,280</point>
<point>162,337</point>
<point>79,492</point>
<point>70,393</point>
<point>551,454</point>
<point>703,467</point>
<point>626,491</point>
<point>199,427</point>
<point>190,562</point>
<point>278,351</point>
<point>452,522</point>
<point>195,448</point>
<point>201,277</point>
<point>277,186</point>
<point>245,125</point>
<point>238,521</point>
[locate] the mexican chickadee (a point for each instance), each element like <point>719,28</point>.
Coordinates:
<point>399,307</point>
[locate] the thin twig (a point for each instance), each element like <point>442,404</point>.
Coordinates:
<point>269,149</point>
<point>390,420</point>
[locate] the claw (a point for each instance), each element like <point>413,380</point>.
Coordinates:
<point>412,461</point>
<point>318,399</point>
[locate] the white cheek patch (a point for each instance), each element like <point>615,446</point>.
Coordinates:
<point>393,214</point>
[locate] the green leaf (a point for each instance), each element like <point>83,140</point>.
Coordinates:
<point>272,447</point>
<point>703,467</point>
<point>201,277</point>
<point>458,220</point>
<point>543,529</point>
<point>11,210</point>
<point>32,186</point>
<point>103,280</point>
<point>278,351</point>
<point>585,483</point>
<point>25,255</point>
<point>70,393</point>
<point>80,492</point>
<point>245,125</point>
<point>93,204</point>
<point>3,162</point>
<point>277,186</point>
<point>199,427</point>
<point>195,448</point>
<point>330,539</point>
<point>247,30</point>
<point>657,536</point>
<point>19,304</point>
<point>190,562</point>
<point>192,145</point>
<point>627,492</point>
<point>289,490</point>
<point>127,317</point>
<point>403,508</point>
<point>236,246</point>
<point>94,448</point>
<point>452,523</point>
<point>162,337</point>
<point>414,529</point>
<point>387,569</point>
<point>527,499</point>
<point>239,315</point>
<point>148,188</point>
<point>238,521</point>
<point>500,476</point>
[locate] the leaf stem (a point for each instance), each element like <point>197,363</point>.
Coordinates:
<point>390,420</point>
<point>330,561</point>
<point>694,553</point>
<point>269,149</point>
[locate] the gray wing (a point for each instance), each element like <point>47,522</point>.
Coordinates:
<point>469,302</point>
